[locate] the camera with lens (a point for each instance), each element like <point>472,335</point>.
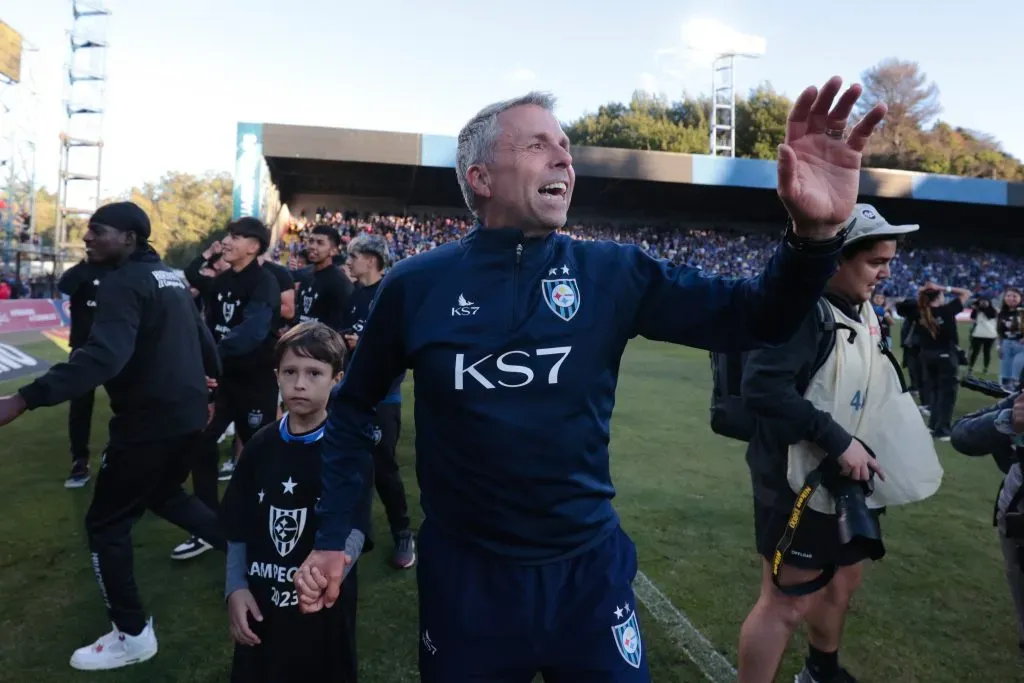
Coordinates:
<point>858,525</point>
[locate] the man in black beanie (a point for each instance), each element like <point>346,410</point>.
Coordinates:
<point>243,316</point>
<point>152,353</point>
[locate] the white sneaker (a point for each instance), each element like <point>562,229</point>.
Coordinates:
<point>116,650</point>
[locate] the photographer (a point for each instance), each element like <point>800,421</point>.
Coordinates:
<point>999,431</point>
<point>816,425</point>
<point>940,353</point>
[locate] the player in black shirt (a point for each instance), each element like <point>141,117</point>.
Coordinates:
<point>243,314</point>
<point>269,512</point>
<point>80,283</point>
<point>325,296</point>
<point>151,352</point>
<point>940,353</point>
<point>286,283</point>
<point>368,257</point>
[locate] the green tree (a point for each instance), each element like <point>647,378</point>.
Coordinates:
<point>648,122</point>
<point>186,211</point>
<point>761,122</point>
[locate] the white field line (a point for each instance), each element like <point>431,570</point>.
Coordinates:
<point>683,633</point>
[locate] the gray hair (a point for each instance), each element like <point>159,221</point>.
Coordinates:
<point>477,138</point>
<point>373,244</point>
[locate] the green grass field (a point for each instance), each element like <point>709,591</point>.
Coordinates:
<point>935,609</point>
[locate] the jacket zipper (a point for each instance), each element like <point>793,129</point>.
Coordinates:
<point>515,285</point>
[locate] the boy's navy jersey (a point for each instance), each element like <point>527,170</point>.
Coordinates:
<point>243,310</point>
<point>270,507</point>
<point>149,348</point>
<point>359,310</point>
<point>323,296</point>
<point>515,344</point>
<point>80,283</point>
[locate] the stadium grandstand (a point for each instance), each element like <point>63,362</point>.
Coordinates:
<point>720,214</point>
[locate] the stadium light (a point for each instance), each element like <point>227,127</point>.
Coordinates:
<point>711,41</point>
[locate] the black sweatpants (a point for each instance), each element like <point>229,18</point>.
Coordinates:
<point>80,425</point>
<point>250,403</point>
<point>939,370</point>
<point>387,479</point>
<point>983,347</point>
<point>296,648</point>
<point>130,481</point>
<point>912,362</point>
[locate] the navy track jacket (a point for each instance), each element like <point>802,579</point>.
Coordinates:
<point>515,345</point>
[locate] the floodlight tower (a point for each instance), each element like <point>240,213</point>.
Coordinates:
<point>722,45</point>
<point>81,142</point>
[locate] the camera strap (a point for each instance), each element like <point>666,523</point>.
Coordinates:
<point>811,485</point>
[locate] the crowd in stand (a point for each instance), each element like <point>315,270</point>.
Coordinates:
<point>737,254</point>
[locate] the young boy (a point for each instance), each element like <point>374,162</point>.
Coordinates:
<point>269,515</point>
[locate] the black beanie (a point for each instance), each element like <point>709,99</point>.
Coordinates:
<point>124,216</point>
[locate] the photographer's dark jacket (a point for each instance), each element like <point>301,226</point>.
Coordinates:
<point>243,310</point>
<point>860,387</point>
<point>976,434</point>
<point>770,391</point>
<point>149,348</point>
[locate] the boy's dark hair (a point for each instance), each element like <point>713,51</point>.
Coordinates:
<point>313,340</point>
<point>330,233</point>
<point>867,244</point>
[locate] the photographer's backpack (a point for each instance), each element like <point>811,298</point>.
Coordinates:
<point>729,417</point>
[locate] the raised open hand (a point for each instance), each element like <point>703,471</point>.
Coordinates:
<point>819,165</point>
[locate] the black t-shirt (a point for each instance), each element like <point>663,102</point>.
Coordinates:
<point>243,311</point>
<point>281,274</point>
<point>947,335</point>
<point>324,297</point>
<point>270,506</point>
<point>80,283</point>
<point>1008,323</point>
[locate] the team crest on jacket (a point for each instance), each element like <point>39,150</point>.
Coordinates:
<point>286,528</point>
<point>627,639</point>
<point>562,296</point>
<point>228,306</point>
<point>255,418</point>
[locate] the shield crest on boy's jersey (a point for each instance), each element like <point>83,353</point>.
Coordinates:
<point>562,296</point>
<point>286,528</point>
<point>627,639</point>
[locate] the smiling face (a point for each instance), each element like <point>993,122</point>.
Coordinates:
<point>529,179</point>
<point>239,249</point>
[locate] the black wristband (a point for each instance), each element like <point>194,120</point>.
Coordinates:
<point>808,245</point>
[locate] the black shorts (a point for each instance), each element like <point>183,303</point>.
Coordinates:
<point>815,544</point>
<point>249,403</point>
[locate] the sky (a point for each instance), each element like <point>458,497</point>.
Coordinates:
<point>182,73</point>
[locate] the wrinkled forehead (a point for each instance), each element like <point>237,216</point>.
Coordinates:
<point>526,122</point>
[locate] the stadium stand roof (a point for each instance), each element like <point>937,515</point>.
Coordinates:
<point>418,170</point>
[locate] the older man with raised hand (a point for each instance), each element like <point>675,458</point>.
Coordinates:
<point>515,335</point>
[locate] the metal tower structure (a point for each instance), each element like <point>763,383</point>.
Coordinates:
<point>723,106</point>
<point>81,142</point>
